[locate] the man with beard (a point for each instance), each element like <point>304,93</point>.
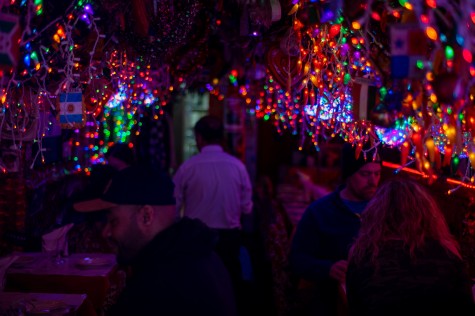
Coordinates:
<point>324,234</point>
<point>173,267</point>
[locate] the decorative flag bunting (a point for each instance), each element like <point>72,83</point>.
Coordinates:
<point>408,46</point>
<point>364,98</point>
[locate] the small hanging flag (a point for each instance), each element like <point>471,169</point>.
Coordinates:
<point>364,95</point>
<point>71,110</point>
<point>9,39</point>
<point>408,50</point>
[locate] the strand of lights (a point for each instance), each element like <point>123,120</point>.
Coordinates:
<point>428,121</point>
<point>458,183</point>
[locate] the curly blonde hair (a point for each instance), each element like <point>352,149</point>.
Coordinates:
<point>402,209</point>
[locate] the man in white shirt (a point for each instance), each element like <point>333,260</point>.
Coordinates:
<point>214,186</point>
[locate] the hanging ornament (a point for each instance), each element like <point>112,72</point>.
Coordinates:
<point>364,94</point>
<point>419,148</point>
<point>471,157</point>
<point>404,152</point>
<point>409,46</point>
<point>430,146</point>
<point>358,150</point>
<point>448,149</point>
<point>334,30</point>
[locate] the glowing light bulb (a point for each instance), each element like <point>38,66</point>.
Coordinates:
<point>431,33</point>
<point>431,3</point>
<point>356,25</point>
<point>467,55</point>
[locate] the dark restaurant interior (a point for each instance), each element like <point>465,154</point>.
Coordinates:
<point>292,81</point>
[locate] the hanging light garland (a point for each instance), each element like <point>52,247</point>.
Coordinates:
<point>336,72</point>
<point>430,120</point>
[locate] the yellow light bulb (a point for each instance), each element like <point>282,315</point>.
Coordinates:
<point>356,25</point>
<point>431,33</point>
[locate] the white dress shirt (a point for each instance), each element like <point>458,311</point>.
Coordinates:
<point>214,187</point>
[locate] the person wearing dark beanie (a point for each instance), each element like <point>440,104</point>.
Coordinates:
<point>350,164</point>
<point>324,234</point>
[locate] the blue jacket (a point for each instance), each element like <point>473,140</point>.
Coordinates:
<point>323,236</point>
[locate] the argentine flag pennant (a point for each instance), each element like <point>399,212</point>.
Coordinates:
<point>71,110</point>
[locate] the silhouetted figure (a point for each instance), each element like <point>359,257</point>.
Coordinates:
<point>214,186</point>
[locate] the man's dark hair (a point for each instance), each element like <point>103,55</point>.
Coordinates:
<point>351,164</point>
<point>210,128</point>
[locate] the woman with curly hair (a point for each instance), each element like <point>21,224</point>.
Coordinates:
<point>405,261</point>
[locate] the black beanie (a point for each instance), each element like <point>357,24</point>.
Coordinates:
<point>350,164</point>
<point>121,151</point>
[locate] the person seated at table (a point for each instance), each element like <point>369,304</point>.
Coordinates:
<point>173,267</point>
<point>86,234</point>
<point>405,261</point>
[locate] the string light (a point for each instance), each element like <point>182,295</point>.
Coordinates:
<point>316,102</point>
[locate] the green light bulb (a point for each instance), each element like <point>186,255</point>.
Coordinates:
<point>449,52</point>
<point>346,78</point>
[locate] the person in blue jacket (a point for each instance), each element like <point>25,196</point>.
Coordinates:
<point>329,225</point>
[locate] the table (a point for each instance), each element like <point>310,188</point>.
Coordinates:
<point>67,304</point>
<point>90,274</point>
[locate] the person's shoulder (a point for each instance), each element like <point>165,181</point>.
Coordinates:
<point>322,205</point>
<point>187,163</point>
<point>326,199</point>
<point>234,159</point>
